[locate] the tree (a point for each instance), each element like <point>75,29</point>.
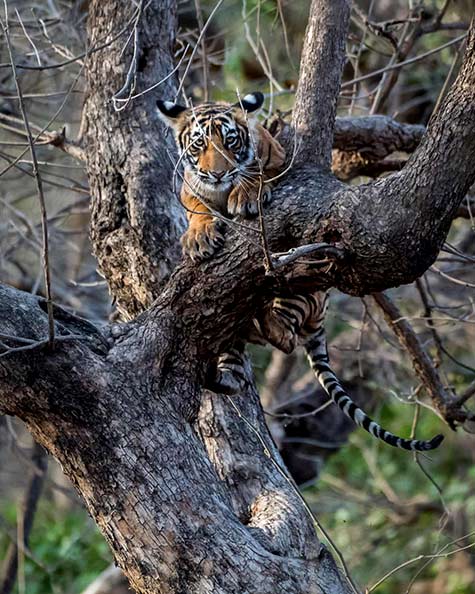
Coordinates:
<point>187,486</point>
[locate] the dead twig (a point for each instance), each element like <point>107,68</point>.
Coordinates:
<point>444,402</point>
<point>328,251</point>
<point>350,83</point>
<point>466,394</point>
<point>131,78</point>
<point>39,185</point>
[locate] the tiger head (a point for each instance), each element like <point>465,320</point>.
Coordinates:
<point>214,140</point>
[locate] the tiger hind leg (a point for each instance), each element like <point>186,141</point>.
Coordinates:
<point>228,376</point>
<point>305,316</point>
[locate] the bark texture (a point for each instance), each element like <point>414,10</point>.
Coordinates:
<point>323,54</point>
<point>136,217</point>
<point>376,137</point>
<point>186,486</point>
<point>118,410</point>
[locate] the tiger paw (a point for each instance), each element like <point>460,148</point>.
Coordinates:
<point>228,375</point>
<point>245,201</point>
<point>203,238</point>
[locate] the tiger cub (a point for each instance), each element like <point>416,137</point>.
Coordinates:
<point>299,319</point>
<point>225,153</point>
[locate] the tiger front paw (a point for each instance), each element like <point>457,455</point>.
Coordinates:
<point>203,238</point>
<point>245,201</point>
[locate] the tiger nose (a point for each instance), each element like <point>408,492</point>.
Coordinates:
<point>218,174</point>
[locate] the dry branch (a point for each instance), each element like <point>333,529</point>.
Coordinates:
<point>448,406</point>
<point>321,64</point>
<point>376,137</point>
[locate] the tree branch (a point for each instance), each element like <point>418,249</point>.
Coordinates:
<point>131,156</point>
<point>376,137</point>
<point>131,449</point>
<point>321,64</point>
<point>163,468</point>
<point>445,403</point>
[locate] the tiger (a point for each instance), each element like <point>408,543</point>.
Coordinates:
<point>229,159</point>
<point>225,155</point>
<point>290,320</point>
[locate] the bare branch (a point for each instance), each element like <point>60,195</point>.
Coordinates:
<point>39,185</point>
<point>445,403</point>
<point>376,137</point>
<point>321,64</point>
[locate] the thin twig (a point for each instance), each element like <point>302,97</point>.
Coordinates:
<point>466,394</point>
<point>53,138</point>
<point>131,78</point>
<point>82,55</point>
<point>37,344</point>
<point>35,49</point>
<point>414,560</point>
<point>284,258</point>
<point>425,370</point>
<point>255,49</point>
<point>204,57</point>
<point>404,62</point>
<point>269,267</point>
<point>456,281</point>
<point>198,42</point>
<point>39,185</point>
<point>417,460</point>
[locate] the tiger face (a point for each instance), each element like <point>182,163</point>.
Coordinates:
<point>214,140</point>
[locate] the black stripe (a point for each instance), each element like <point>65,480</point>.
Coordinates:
<point>293,306</point>
<point>351,410</point>
<point>366,422</point>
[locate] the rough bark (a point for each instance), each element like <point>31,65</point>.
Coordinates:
<point>323,56</point>
<point>376,137</point>
<point>136,217</point>
<point>118,411</point>
<point>181,486</point>
<point>362,144</point>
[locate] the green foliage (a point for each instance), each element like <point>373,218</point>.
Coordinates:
<point>69,552</point>
<point>365,499</point>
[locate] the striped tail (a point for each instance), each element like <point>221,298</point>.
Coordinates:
<point>317,354</point>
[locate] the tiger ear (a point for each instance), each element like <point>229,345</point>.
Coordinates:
<point>251,102</point>
<point>168,111</point>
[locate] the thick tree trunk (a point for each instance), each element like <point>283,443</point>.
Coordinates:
<point>323,55</point>
<point>136,217</point>
<point>118,412</point>
<point>187,487</point>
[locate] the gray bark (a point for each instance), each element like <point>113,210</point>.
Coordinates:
<point>119,413</point>
<point>323,57</point>
<point>376,137</point>
<point>136,219</point>
<point>181,487</point>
